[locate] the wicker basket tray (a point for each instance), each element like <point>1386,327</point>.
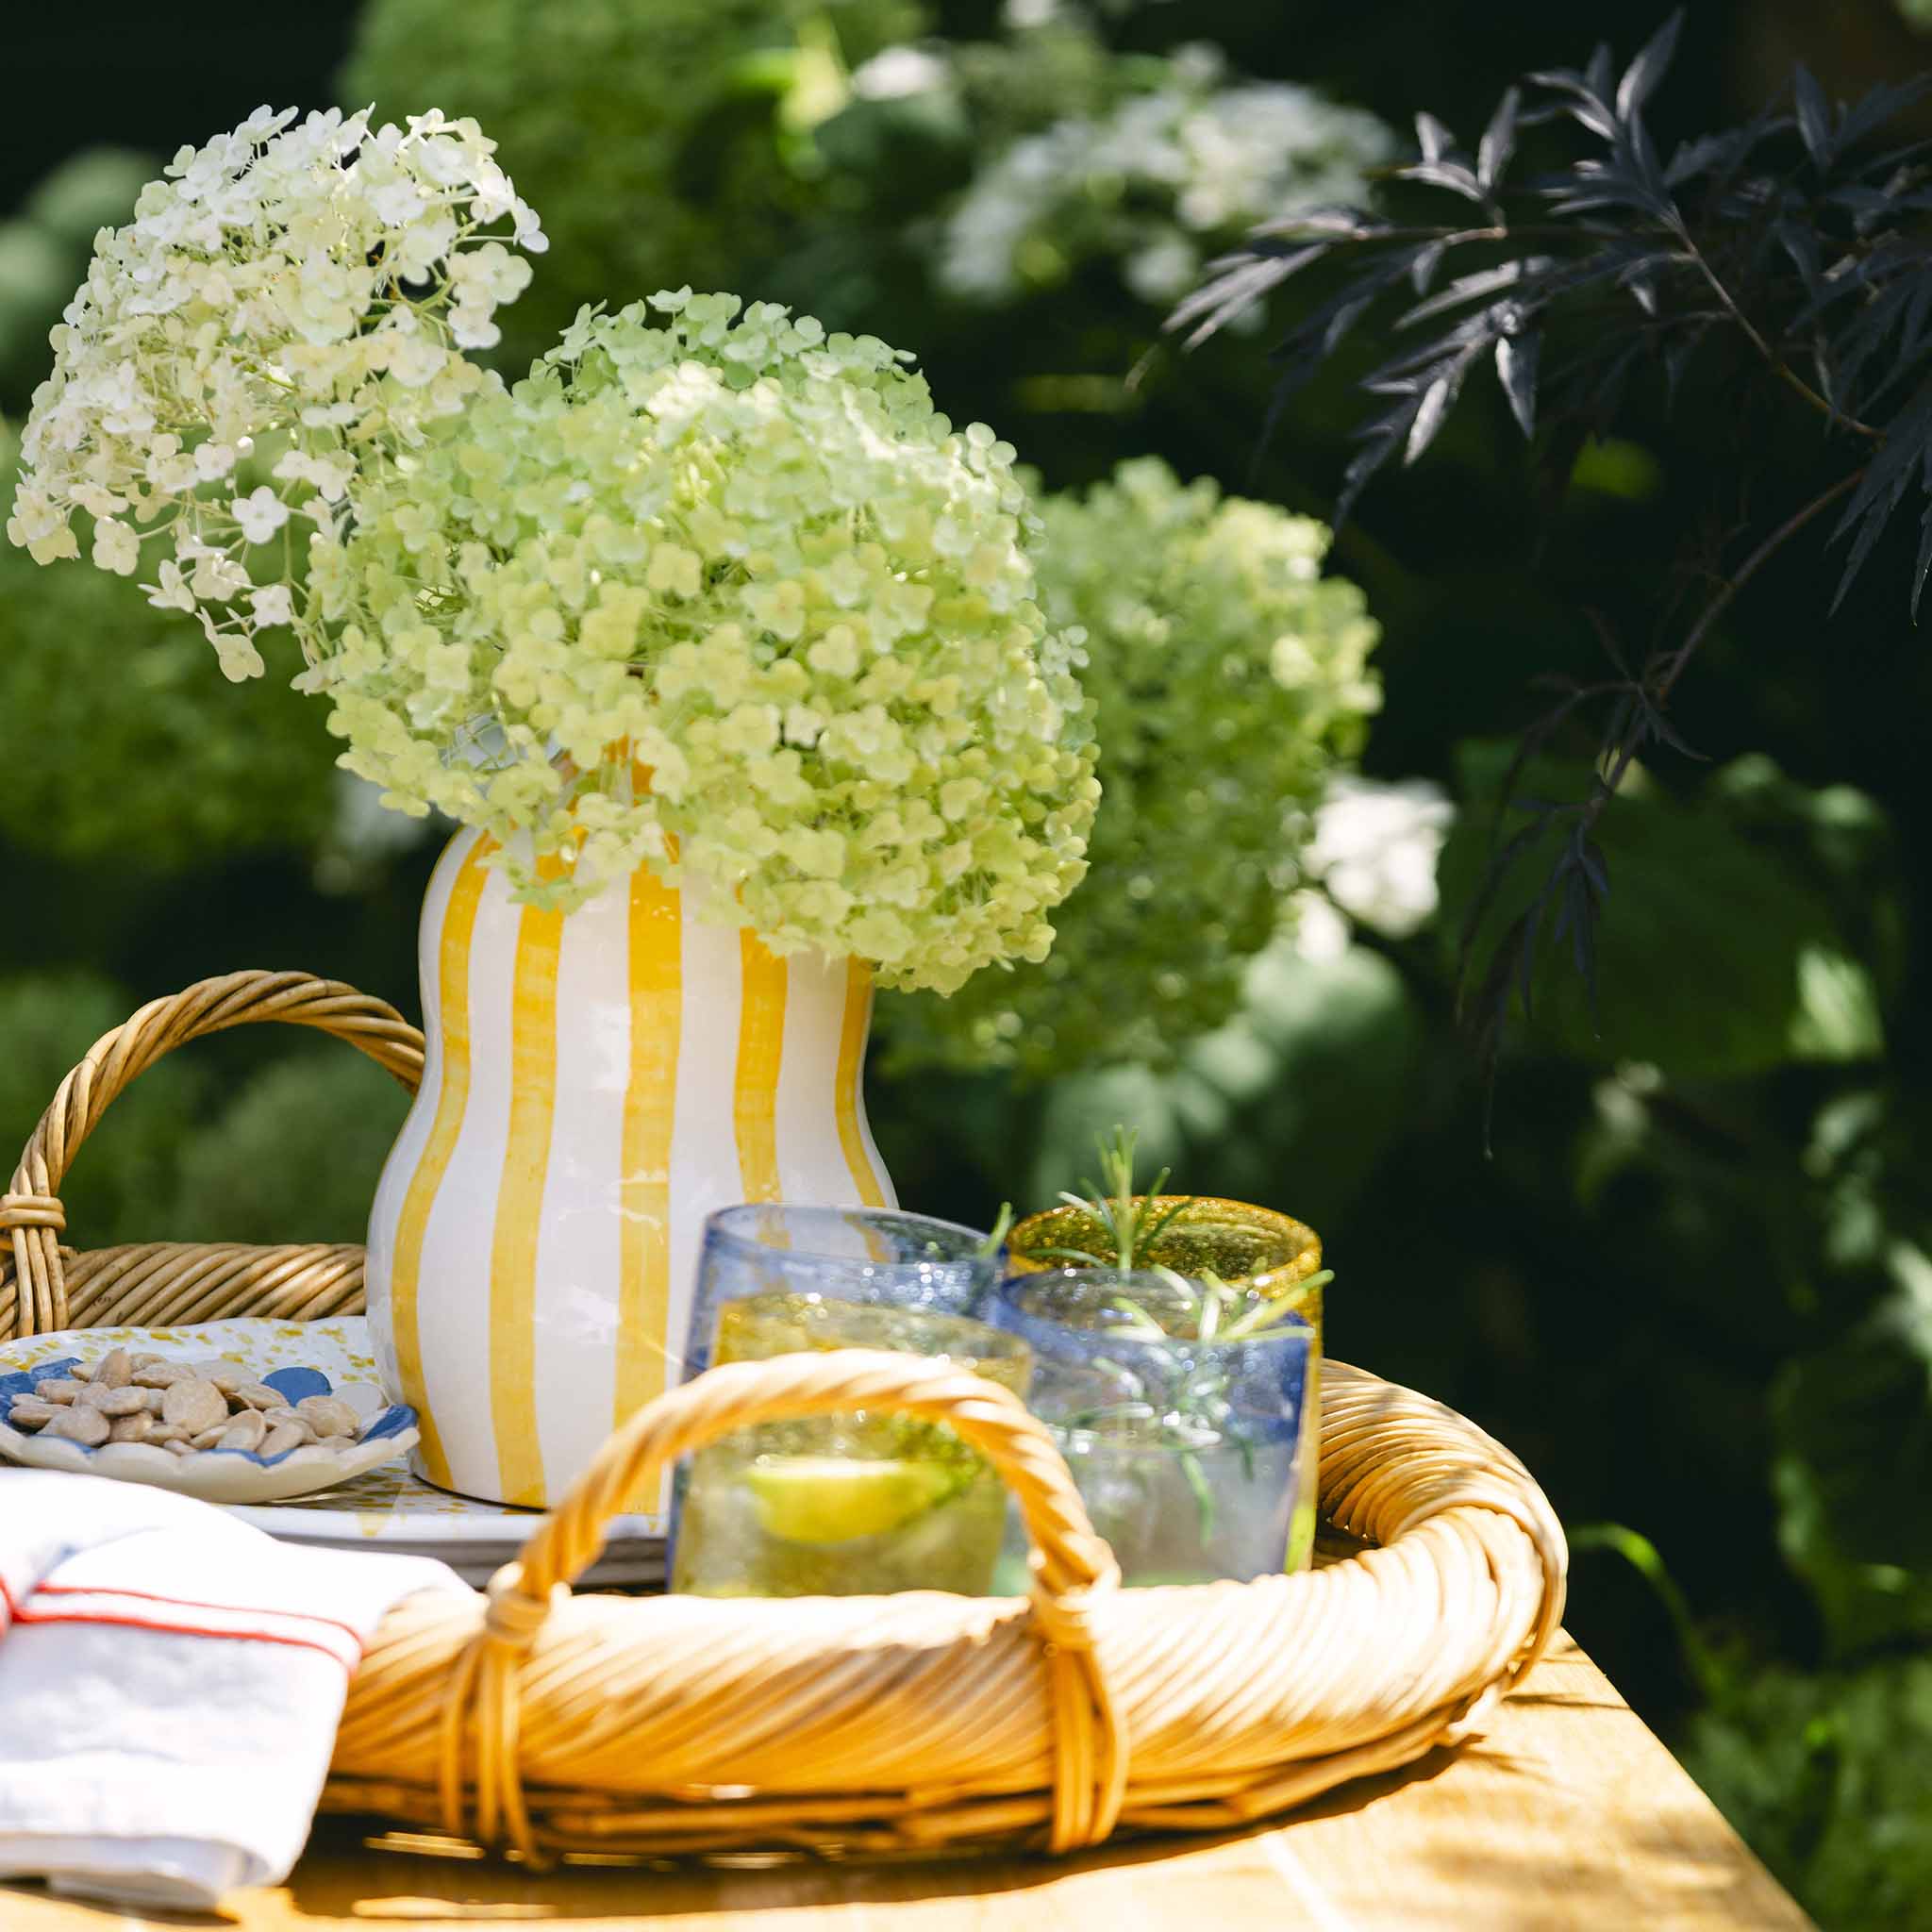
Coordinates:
<point>530,1718</point>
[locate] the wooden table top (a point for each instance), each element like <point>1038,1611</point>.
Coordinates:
<point>1568,1817</point>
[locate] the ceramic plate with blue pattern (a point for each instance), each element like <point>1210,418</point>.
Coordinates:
<point>269,1352</point>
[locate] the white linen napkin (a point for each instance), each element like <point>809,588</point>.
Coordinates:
<point>170,1681</point>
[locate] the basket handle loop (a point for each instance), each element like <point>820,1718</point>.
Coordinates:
<point>31,1216</point>
<point>1074,1570</point>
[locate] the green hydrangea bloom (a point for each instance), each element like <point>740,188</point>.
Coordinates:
<point>752,560</point>
<point>1229,679</point>
<point>665,140</point>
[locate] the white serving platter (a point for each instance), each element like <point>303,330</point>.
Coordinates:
<point>383,1507</point>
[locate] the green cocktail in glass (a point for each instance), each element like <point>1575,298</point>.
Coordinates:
<point>844,1505</point>
<point>851,1504</point>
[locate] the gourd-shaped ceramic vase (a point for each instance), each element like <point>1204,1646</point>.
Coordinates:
<point>595,1083</point>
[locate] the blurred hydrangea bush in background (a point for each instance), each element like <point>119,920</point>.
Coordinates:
<point>1375,848</point>
<point>119,746</point>
<point>1229,679</point>
<point>1184,162</point>
<point>756,142</point>
<point>666,144</point>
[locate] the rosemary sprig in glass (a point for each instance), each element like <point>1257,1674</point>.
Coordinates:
<point>996,1236</point>
<point>1197,1413</point>
<point>1133,1222</point>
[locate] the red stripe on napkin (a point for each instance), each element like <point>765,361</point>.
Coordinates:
<point>189,1603</point>
<point>30,1616</point>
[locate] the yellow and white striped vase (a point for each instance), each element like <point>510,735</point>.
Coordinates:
<point>595,1084</point>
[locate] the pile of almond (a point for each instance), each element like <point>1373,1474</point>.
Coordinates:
<point>183,1406</point>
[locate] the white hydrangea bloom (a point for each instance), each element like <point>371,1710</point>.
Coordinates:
<point>1375,848</point>
<point>293,296</point>
<point>981,244</point>
<point>275,605</point>
<point>896,73</point>
<point>1156,183</point>
<point>1321,931</point>
<point>260,514</point>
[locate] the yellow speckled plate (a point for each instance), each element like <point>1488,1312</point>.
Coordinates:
<point>388,1430</point>
<point>384,1508</point>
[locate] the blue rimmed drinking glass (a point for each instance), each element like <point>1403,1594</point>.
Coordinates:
<point>871,1257</point>
<point>1180,1412</point>
<point>843,1504</point>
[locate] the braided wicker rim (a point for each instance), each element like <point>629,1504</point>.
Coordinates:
<point>550,1724</point>
<point>45,1286</point>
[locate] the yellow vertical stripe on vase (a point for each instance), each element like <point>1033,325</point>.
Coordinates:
<point>851,1037</point>
<point>520,1201</point>
<point>413,1223</point>
<point>650,1111</point>
<point>761,1050</point>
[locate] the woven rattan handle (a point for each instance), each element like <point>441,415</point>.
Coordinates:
<point>35,1301</point>
<point>822,1382</point>
<point>1074,1570</point>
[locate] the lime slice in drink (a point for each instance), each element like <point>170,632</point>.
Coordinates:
<point>832,1499</point>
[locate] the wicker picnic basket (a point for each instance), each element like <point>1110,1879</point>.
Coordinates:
<point>528,1718</point>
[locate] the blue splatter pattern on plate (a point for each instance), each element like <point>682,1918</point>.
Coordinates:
<point>292,1385</point>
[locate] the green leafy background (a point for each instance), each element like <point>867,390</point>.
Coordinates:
<point>1692,1285</point>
